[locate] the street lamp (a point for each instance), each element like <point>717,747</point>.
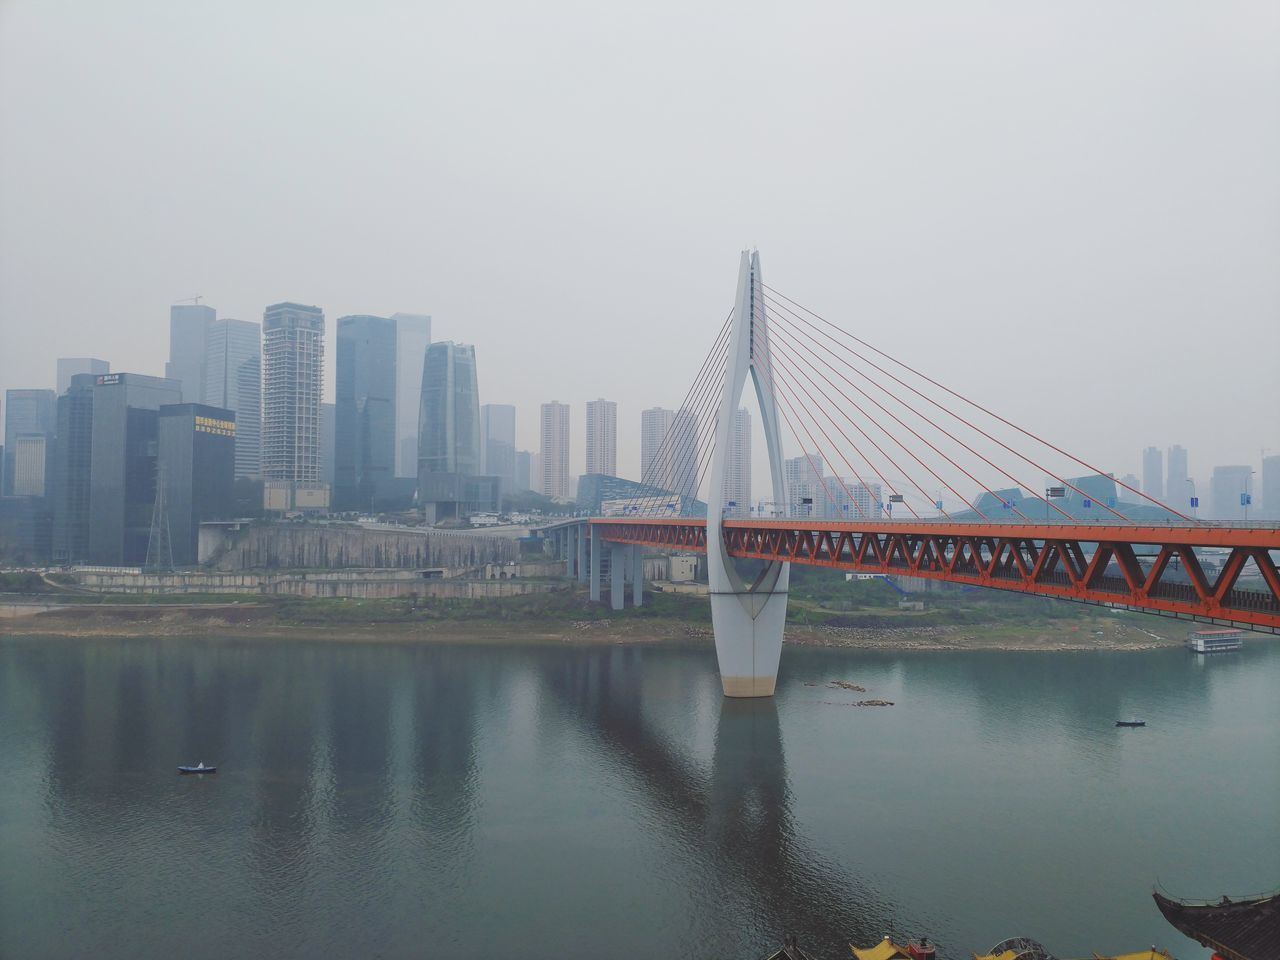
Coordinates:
<point>1195,501</point>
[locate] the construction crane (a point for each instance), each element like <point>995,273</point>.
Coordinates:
<point>195,300</point>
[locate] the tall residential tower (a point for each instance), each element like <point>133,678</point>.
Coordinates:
<point>293,361</point>
<point>602,437</point>
<point>554,432</point>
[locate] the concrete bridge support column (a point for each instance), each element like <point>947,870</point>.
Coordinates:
<point>637,576</point>
<point>617,575</point>
<point>597,556</point>
<point>580,548</point>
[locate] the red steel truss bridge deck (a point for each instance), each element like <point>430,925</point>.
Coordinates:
<point>1192,571</point>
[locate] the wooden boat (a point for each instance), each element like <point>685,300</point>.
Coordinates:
<point>198,768</point>
<point>1131,723</point>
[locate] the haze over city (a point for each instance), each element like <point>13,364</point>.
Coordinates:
<point>1068,213</point>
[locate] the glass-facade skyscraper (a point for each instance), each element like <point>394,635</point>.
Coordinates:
<point>30,414</point>
<point>498,442</point>
<point>73,456</point>
<point>365,410</point>
<point>188,327</point>
<point>448,430</point>
<point>449,415</point>
<point>124,453</point>
<point>413,336</point>
<point>68,367</point>
<point>197,456</point>
<point>233,381</point>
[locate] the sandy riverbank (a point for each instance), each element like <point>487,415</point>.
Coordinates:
<point>248,621</point>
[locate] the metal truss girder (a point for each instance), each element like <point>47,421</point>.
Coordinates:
<point>1070,561</point>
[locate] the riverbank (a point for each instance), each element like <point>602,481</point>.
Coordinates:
<point>1088,629</point>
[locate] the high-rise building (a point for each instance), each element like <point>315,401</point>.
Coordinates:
<point>73,458</point>
<point>535,471</point>
<point>124,450</point>
<point>27,413</point>
<point>1153,473</point>
<point>1177,489</point>
<point>293,377</point>
<point>365,401</point>
<point>805,490</point>
<point>602,437</point>
<point>524,471</point>
<point>233,381</point>
<point>30,454</point>
<point>413,336</point>
<point>68,367</point>
<point>328,441</point>
<point>449,482</point>
<point>554,434</point>
<point>1271,487</point>
<point>737,478</point>
<point>855,500</point>
<point>655,453</point>
<point>197,458</point>
<point>188,327</point>
<point>498,443</point>
<point>685,452</point>
<point>1133,483</point>
<point>1227,487</point>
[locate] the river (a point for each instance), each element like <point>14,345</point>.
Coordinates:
<point>384,800</point>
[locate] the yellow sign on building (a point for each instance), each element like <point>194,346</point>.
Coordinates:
<point>223,428</point>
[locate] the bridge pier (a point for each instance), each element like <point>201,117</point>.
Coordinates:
<point>597,560</point>
<point>617,575</point>
<point>580,550</point>
<point>637,576</point>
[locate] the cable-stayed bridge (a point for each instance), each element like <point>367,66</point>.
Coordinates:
<point>956,472</point>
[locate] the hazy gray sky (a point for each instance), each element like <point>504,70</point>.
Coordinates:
<point>1070,210</point>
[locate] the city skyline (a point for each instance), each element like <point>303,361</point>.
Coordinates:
<point>1040,261</point>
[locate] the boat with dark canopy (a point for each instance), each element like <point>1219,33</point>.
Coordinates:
<point>1247,929</point>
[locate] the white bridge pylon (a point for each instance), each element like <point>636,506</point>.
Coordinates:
<point>747,619</point>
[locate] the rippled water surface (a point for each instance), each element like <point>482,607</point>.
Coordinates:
<point>399,801</point>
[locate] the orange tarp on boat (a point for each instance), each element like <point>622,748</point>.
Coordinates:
<point>886,949</point>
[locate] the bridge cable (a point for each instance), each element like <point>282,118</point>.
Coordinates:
<point>893,487</point>
<point>691,431</point>
<point>789,332</point>
<point>941,429</point>
<point>1066,483</point>
<point>992,414</point>
<point>786,379</point>
<point>679,426</point>
<point>689,428</point>
<point>911,453</point>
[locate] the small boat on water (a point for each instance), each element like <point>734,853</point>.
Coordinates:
<point>1131,723</point>
<point>198,768</point>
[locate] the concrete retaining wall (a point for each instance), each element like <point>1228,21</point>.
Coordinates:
<point>357,584</point>
<point>288,546</point>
